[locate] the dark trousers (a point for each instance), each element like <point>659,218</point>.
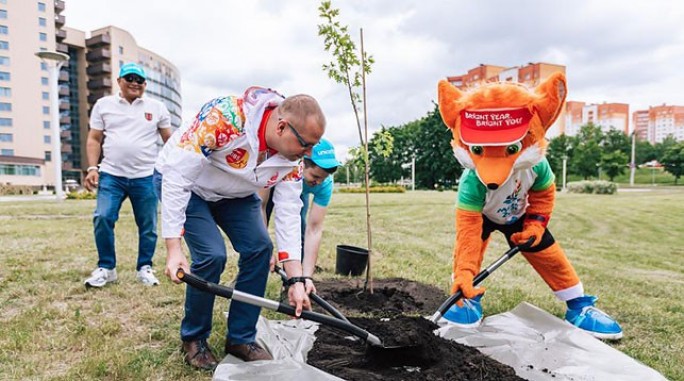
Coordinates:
<point>241,220</point>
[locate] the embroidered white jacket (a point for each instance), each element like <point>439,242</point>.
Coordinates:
<point>216,158</point>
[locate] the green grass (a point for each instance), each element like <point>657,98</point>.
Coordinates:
<point>643,177</point>
<point>627,248</point>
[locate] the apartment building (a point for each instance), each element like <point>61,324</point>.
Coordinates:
<point>663,121</point>
<point>640,124</point>
<point>606,115</point>
<point>29,26</point>
<point>531,75</point>
<point>26,27</point>
<point>109,48</point>
<point>573,117</point>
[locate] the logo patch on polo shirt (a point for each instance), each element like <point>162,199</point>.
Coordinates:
<point>283,255</point>
<point>237,158</point>
<point>148,116</point>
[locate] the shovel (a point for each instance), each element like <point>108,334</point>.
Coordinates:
<point>479,278</point>
<point>375,346</point>
<point>317,299</point>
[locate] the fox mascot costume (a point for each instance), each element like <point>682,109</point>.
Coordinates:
<point>507,185</point>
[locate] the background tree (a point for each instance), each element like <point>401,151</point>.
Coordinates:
<point>587,154</point>
<point>355,165</point>
<point>383,165</point>
<point>664,146</point>
<point>559,147</point>
<point>388,168</point>
<point>435,161</point>
<point>673,160</point>
<point>616,140</point>
<point>644,151</point>
<point>613,163</point>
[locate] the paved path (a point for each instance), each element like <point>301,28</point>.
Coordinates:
<point>35,197</point>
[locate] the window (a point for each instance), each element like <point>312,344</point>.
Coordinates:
<point>5,106</point>
<point>5,137</point>
<point>6,152</point>
<point>42,36</point>
<point>46,124</point>
<point>42,21</point>
<point>46,110</point>
<point>41,7</point>
<point>46,96</point>
<point>43,66</point>
<point>44,81</point>
<point>46,139</point>
<point>4,29</point>
<point>4,61</point>
<point>48,155</point>
<point>4,76</point>
<point>22,170</point>
<point>3,14</point>
<point>5,92</point>
<point>120,49</point>
<point>4,45</point>
<point>5,122</point>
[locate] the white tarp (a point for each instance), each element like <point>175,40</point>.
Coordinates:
<point>539,346</point>
<point>288,341</point>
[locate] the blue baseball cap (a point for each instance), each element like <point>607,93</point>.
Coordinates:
<point>323,155</point>
<point>132,68</point>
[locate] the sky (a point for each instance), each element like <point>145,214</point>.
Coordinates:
<point>614,51</point>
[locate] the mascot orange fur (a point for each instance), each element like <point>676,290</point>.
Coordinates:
<point>508,186</point>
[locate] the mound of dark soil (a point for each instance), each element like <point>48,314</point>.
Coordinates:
<point>420,356</point>
<point>391,297</point>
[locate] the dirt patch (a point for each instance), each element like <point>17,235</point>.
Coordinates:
<point>421,356</point>
<point>391,297</point>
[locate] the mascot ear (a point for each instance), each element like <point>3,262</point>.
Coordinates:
<point>550,98</point>
<point>448,97</point>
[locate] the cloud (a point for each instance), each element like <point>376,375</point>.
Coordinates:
<point>614,51</point>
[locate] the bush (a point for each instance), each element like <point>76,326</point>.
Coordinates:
<point>374,189</point>
<point>81,195</point>
<point>595,187</point>
<point>15,190</point>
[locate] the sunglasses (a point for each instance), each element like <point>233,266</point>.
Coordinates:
<point>130,78</point>
<point>301,140</point>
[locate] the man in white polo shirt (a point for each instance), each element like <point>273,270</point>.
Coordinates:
<point>128,124</point>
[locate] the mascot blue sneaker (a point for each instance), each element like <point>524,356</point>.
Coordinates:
<point>467,316</point>
<point>583,315</point>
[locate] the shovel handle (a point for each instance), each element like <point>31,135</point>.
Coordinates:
<point>480,277</point>
<point>317,299</point>
<point>230,293</point>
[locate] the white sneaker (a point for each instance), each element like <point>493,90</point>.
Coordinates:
<point>146,276</point>
<point>101,277</point>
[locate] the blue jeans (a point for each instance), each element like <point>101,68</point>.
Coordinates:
<point>112,191</point>
<point>241,220</point>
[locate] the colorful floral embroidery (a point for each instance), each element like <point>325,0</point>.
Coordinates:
<point>220,121</point>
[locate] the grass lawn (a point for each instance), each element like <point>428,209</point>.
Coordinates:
<point>627,248</point>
